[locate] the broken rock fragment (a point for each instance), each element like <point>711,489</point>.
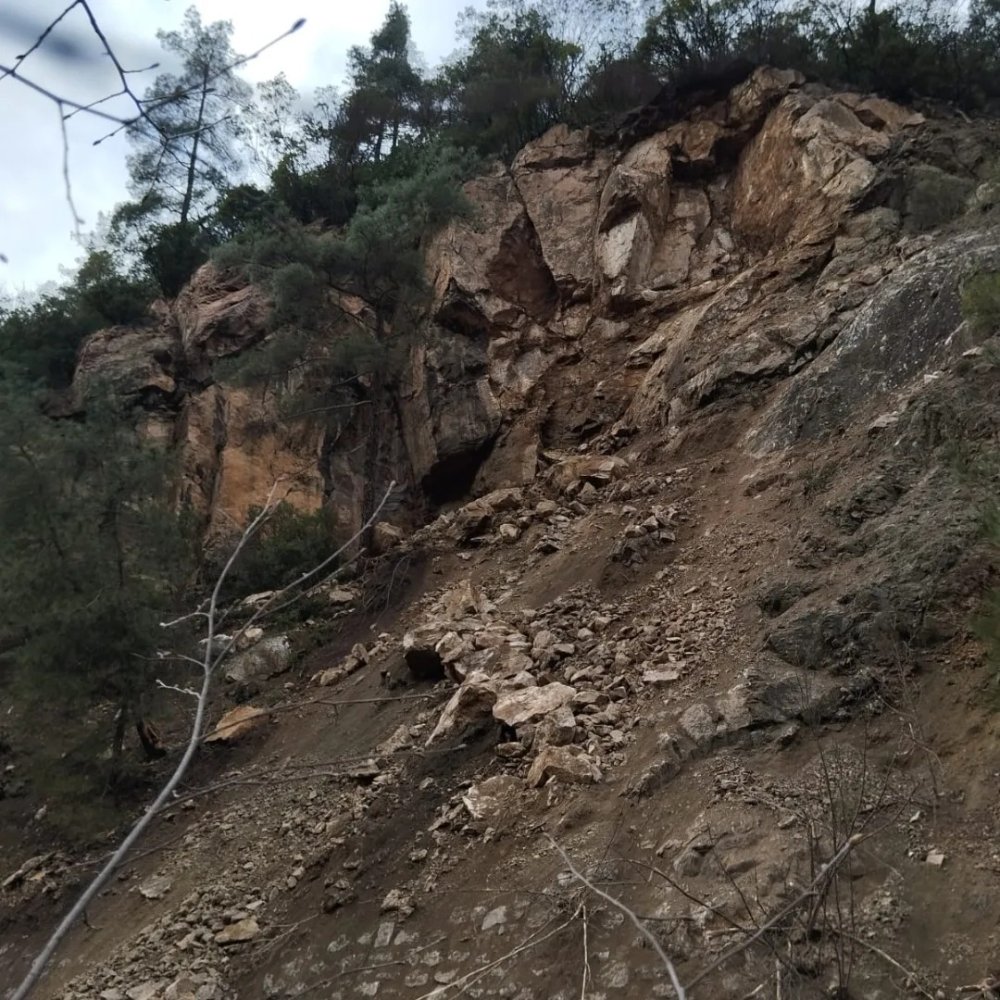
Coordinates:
<point>471,703</point>
<point>239,933</point>
<point>569,764</point>
<point>493,798</point>
<point>236,724</point>
<point>514,708</point>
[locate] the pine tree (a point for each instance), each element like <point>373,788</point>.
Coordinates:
<point>385,92</point>
<point>186,146</point>
<point>91,560</point>
<point>187,150</point>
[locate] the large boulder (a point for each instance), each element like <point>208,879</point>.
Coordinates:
<point>514,708</point>
<point>268,658</point>
<point>560,177</point>
<point>450,415</point>
<point>488,269</point>
<point>567,764</point>
<point>470,705</point>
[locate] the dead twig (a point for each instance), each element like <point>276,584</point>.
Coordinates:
<point>631,914</point>
<point>826,872</point>
<point>330,980</point>
<point>911,977</point>
<point>466,982</point>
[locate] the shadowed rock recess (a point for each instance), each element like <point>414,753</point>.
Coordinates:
<point>680,574</point>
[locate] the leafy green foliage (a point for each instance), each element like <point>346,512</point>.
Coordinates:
<point>377,256</point>
<point>934,197</point>
<point>40,341</point>
<point>173,252</point>
<point>185,146</point>
<point>514,81</point>
<point>385,93</point>
<point>899,49</point>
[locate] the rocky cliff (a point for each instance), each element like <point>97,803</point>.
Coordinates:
<point>691,406</point>
<point>723,252</point>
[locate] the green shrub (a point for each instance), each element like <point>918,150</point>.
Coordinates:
<point>290,543</point>
<point>40,341</point>
<point>934,197</point>
<point>172,252</point>
<point>981,301</point>
<point>106,296</point>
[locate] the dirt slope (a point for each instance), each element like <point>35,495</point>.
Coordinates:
<point>726,616</point>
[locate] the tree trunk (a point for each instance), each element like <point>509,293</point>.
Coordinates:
<point>118,742</point>
<point>149,737</point>
<point>193,159</point>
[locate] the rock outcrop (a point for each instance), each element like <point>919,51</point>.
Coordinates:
<point>739,242</point>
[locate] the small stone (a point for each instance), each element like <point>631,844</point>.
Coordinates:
<point>144,991</point>
<point>341,596</point>
<point>495,918</point>
<point>661,678</point>
<point>935,858</point>
<point>240,932</point>
<point>698,722</point>
<point>155,888</point>
<point>399,902</point>
<point>509,533</point>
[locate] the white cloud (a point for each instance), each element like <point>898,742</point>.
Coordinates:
<point>36,226</point>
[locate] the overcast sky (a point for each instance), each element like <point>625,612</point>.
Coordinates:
<point>36,225</point>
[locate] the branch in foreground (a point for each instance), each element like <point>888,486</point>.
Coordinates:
<point>68,108</point>
<point>194,740</point>
<point>639,925</point>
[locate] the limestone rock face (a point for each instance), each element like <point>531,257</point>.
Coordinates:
<point>807,163</point>
<point>488,269</point>
<point>449,414</point>
<point>233,451</point>
<point>136,360</point>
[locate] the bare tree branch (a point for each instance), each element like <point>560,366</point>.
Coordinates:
<point>68,108</point>
<point>826,873</point>
<point>639,925</point>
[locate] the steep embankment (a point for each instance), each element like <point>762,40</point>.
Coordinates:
<point>707,392</point>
